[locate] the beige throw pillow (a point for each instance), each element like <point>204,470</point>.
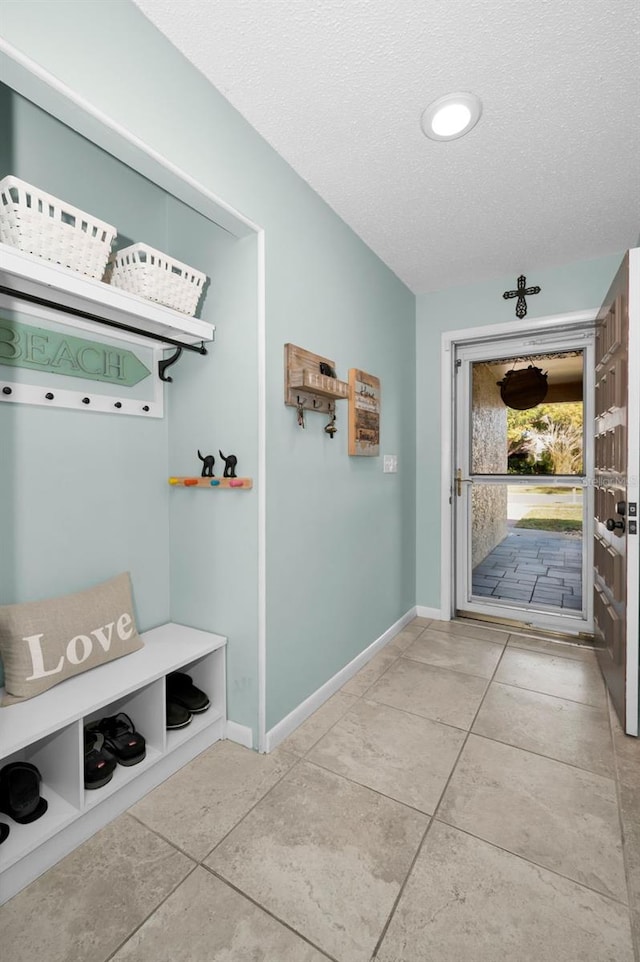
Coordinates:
<point>44,642</point>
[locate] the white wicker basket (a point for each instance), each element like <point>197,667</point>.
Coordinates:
<point>142,270</point>
<point>35,222</point>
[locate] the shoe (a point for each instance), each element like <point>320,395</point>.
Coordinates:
<point>121,739</point>
<point>181,689</point>
<point>4,831</point>
<point>20,792</point>
<point>99,763</point>
<point>177,715</point>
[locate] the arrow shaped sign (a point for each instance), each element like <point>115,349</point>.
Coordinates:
<point>22,345</point>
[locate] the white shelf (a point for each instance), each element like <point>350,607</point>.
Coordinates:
<point>32,275</point>
<point>24,839</point>
<point>121,775</point>
<point>48,731</point>
<point>198,722</point>
<point>166,649</point>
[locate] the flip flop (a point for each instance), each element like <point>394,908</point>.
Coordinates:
<point>121,739</point>
<point>177,716</point>
<point>99,764</point>
<point>20,792</point>
<point>180,689</point>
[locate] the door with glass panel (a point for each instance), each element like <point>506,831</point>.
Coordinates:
<point>522,504</point>
<point>617,467</point>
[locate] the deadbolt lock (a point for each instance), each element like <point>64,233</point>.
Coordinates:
<point>613,525</point>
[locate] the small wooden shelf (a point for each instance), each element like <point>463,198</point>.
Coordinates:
<point>314,383</point>
<point>190,482</point>
<point>305,385</point>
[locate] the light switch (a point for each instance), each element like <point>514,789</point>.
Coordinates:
<point>390,464</point>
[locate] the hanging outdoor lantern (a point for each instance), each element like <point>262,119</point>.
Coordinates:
<point>523,389</point>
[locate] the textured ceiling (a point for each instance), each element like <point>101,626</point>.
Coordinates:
<point>549,175</point>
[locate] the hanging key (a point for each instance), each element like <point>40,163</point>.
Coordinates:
<point>331,428</point>
<point>300,411</point>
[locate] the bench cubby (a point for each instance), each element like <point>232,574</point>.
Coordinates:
<point>48,731</point>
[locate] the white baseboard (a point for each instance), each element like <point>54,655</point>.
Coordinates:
<point>241,734</point>
<point>295,718</point>
<point>423,612</point>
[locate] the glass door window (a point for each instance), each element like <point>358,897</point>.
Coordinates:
<point>520,488</point>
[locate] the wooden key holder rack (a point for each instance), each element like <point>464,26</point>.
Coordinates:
<point>306,385</point>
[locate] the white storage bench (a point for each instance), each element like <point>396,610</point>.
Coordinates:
<point>48,731</point>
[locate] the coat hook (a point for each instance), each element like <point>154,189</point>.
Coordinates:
<point>167,362</point>
<point>331,428</point>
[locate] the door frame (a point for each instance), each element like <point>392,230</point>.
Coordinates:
<point>559,621</point>
<point>576,321</point>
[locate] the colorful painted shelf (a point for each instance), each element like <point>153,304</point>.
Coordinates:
<point>244,483</point>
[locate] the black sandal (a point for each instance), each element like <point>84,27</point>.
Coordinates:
<point>181,690</point>
<point>177,716</point>
<point>20,792</point>
<point>121,738</point>
<point>99,764</point>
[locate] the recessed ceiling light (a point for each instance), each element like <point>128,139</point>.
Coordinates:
<point>451,116</point>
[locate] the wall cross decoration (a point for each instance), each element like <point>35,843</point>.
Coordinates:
<point>520,293</point>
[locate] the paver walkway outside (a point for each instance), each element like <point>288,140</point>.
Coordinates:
<point>535,567</point>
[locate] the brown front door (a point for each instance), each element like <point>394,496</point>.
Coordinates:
<point>617,375</point>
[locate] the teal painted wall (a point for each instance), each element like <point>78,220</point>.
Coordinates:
<point>6,123</point>
<point>579,286</point>
<point>213,405</point>
<point>340,534</point>
<point>97,485</point>
<point>77,498</point>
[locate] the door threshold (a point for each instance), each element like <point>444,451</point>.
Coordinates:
<point>581,640</point>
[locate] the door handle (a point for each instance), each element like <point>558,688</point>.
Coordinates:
<point>612,525</point>
<point>460,481</point>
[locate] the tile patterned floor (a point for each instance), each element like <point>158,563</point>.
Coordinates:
<point>467,797</point>
<point>533,567</point>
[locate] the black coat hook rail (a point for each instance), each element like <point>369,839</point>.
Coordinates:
<point>119,325</point>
